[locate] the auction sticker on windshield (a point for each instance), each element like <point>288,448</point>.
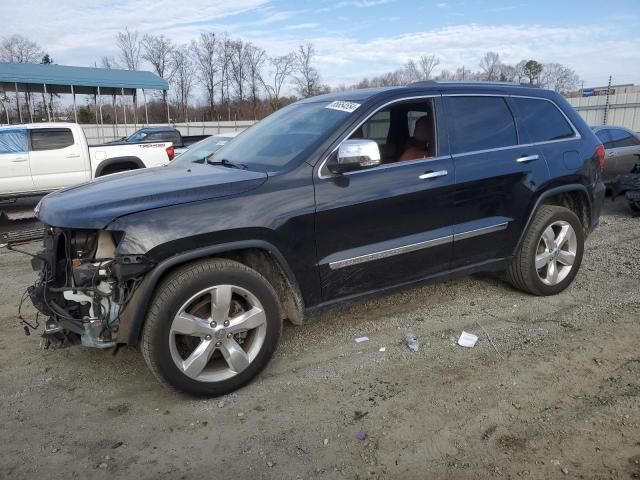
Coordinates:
<point>348,107</point>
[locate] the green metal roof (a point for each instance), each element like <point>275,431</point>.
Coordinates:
<point>59,78</point>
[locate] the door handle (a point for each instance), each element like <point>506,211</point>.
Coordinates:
<point>72,155</point>
<point>528,158</point>
<point>20,159</point>
<point>430,175</point>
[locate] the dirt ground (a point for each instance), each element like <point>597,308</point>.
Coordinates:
<point>558,396</point>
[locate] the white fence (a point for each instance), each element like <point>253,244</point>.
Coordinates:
<point>623,110</point>
<point>96,134</point>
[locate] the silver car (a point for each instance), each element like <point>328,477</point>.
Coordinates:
<point>622,147</point>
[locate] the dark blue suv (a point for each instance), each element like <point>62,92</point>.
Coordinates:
<point>327,199</point>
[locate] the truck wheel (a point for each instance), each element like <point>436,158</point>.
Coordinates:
<point>211,327</point>
<point>550,254</point>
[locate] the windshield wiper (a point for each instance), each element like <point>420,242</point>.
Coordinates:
<point>226,163</point>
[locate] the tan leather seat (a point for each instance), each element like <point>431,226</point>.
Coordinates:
<point>420,145</point>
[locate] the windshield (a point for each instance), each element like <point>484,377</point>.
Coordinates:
<point>283,136</point>
<point>137,137</point>
<point>202,151</point>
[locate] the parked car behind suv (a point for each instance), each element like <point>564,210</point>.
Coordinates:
<point>622,147</point>
<point>328,199</point>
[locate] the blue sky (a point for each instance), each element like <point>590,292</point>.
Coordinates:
<point>355,38</point>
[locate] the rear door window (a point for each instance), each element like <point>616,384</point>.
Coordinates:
<point>542,120</point>
<point>622,138</point>
<point>481,123</point>
<point>51,138</point>
<point>13,141</point>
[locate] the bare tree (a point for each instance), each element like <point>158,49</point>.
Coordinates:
<point>239,67</point>
<point>183,78</point>
<point>158,51</point>
<point>280,70</point>
<point>308,79</point>
<point>225,48</point>
<point>19,49</point>
<point>255,58</point>
<point>108,62</point>
<point>205,51</point>
<point>129,44</point>
<point>427,64</point>
<point>490,66</point>
<point>558,77</point>
<point>410,73</point>
<point>507,73</point>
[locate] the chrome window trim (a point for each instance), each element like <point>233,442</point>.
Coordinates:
<point>576,136</point>
<point>347,262</point>
<point>390,102</point>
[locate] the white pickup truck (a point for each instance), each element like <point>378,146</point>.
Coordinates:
<point>39,158</point>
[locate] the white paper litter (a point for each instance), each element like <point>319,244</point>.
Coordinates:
<point>467,339</point>
<point>362,339</point>
<point>383,349</point>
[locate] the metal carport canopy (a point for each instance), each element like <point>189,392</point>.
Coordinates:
<point>85,80</point>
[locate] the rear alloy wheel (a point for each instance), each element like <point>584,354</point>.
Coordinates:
<point>556,253</point>
<point>550,254</point>
<point>211,328</point>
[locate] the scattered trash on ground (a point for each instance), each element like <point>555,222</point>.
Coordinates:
<point>382,349</point>
<point>467,339</point>
<point>358,415</point>
<point>362,434</point>
<point>411,341</point>
<point>362,339</point>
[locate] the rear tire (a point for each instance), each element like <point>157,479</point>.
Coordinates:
<point>193,340</point>
<point>550,254</point>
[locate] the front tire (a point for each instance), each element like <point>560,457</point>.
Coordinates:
<point>550,254</point>
<point>211,327</point>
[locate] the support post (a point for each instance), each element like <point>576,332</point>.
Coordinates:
<point>168,113</point>
<point>135,109</point>
<point>115,116</point>
<point>46,104</point>
<point>101,121</point>
<point>75,110</point>
<point>29,106</point>
<point>18,102</point>
<point>124,113</point>
<point>146,110</point>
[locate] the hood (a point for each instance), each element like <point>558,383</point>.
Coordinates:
<point>95,204</point>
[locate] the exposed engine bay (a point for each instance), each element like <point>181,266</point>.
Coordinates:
<point>83,287</point>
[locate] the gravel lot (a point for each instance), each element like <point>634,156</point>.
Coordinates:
<point>558,396</point>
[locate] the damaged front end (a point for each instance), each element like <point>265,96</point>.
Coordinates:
<point>83,286</point>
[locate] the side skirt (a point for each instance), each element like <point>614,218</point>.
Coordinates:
<point>495,265</point>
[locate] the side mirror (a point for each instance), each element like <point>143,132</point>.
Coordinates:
<point>355,155</point>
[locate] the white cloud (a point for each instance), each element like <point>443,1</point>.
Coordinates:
<point>79,32</point>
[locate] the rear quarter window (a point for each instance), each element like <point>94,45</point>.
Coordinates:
<point>51,138</point>
<point>481,123</point>
<point>622,138</point>
<point>541,120</point>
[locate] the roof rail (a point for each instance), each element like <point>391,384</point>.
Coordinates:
<point>427,83</point>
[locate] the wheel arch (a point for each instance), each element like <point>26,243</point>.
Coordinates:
<point>110,162</point>
<point>575,197</point>
<point>257,254</point>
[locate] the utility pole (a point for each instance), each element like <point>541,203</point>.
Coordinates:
<point>606,105</point>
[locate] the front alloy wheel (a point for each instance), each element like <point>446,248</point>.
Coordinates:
<point>211,327</point>
<point>217,333</point>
